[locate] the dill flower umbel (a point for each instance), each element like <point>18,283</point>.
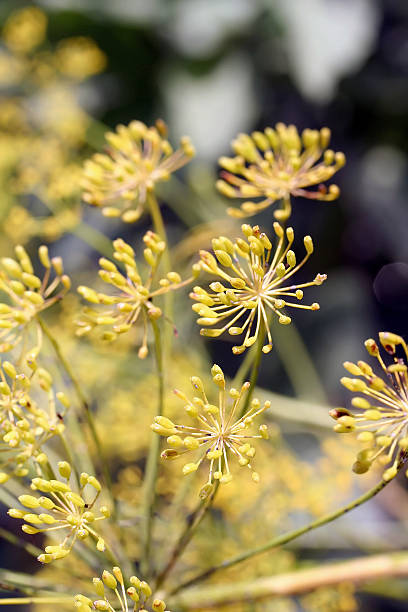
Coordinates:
<point>221,433</point>
<point>254,279</point>
<point>382,414</point>
<point>28,294</point>
<point>25,425</point>
<point>138,157</point>
<point>134,297</point>
<point>277,163</point>
<point>111,585</point>
<point>62,508</point>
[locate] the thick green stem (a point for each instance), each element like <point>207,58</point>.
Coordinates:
<point>191,526</point>
<point>84,404</point>
<point>152,464</point>
<point>284,538</point>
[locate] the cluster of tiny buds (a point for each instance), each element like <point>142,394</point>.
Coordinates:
<point>66,509</point>
<point>27,294</point>
<point>277,163</point>
<point>139,593</point>
<point>134,296</point>
<point>382,414</point>
<point>139,157</point>
<point>24,425</point>
<point>221,432</point>
<point>253,276</point>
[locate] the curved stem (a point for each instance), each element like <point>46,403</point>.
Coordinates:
<point>84,404</point>
<point>193,522</point>
<point>284,538</point>
<point>152,463</point>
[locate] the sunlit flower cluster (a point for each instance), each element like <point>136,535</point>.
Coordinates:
<point>221,432</point>
<point>381,416</point>
<point>25,424</point>
<point>134,297</point>
<point>139,157</point>
<point>137,596</point>
<point>272,165</point>
<point>253,282</point>
<point>62,509</point>
<point>26,295</point>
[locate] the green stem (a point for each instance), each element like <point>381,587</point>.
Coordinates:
<point>191,526</point>
<point>160,229</point>
<point>84,404</point>
<point>255,368</point>
<point>16,541</point>
<point>284,538</point>
<point>93,238</point>
<point>152,464</point>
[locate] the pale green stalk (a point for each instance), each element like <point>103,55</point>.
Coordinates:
<point>152,464</point>
<point>8,601</point>
<point>283,539</point>
<point>84,404</point>
<point>255,368</point>
<point>190,528</point>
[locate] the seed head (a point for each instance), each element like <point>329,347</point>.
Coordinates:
<point>272,165</point>
<point>138,157</point>
<point>253,282</point>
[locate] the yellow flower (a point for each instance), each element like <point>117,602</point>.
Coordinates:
<point>277,163</point>
<point>27,295</point>
<point>254,279</point>
<point>221,434</point>
<point>382,414</point>
<point>62,509</point>
<point>79,57</point>
<point>25,426</point>
<point>25,29</point>
<point>134,297</point>
<point>138,592</point>
<point>139,157</point>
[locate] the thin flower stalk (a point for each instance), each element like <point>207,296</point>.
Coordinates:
<point>220,434</point>
<point>138,157</point>
<point>62,509</point>
<point>276,164</point>
<point>381,417</point>
<point>254,281</point>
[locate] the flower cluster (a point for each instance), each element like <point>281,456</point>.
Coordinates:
<point>382,414</point>
<point>221,430</point>
<point>134,297</point>
<point>254,280</point>
<point>65,509</point>
<point>139,157</point>
<point>277,163</point>
<point>138,592</point>
<point>25,426</point>
<point>28,294</point>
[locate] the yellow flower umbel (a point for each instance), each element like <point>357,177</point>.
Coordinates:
<point>382,412</point>
<point>25,426</point>
<point>28,294</point>
<point>277,163</point>
<point>62,509</point>
<point>254,279</point>
<point>137,596</point>
<point>133,298</point>
<point>221,433</point>
<point>139,157</point>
